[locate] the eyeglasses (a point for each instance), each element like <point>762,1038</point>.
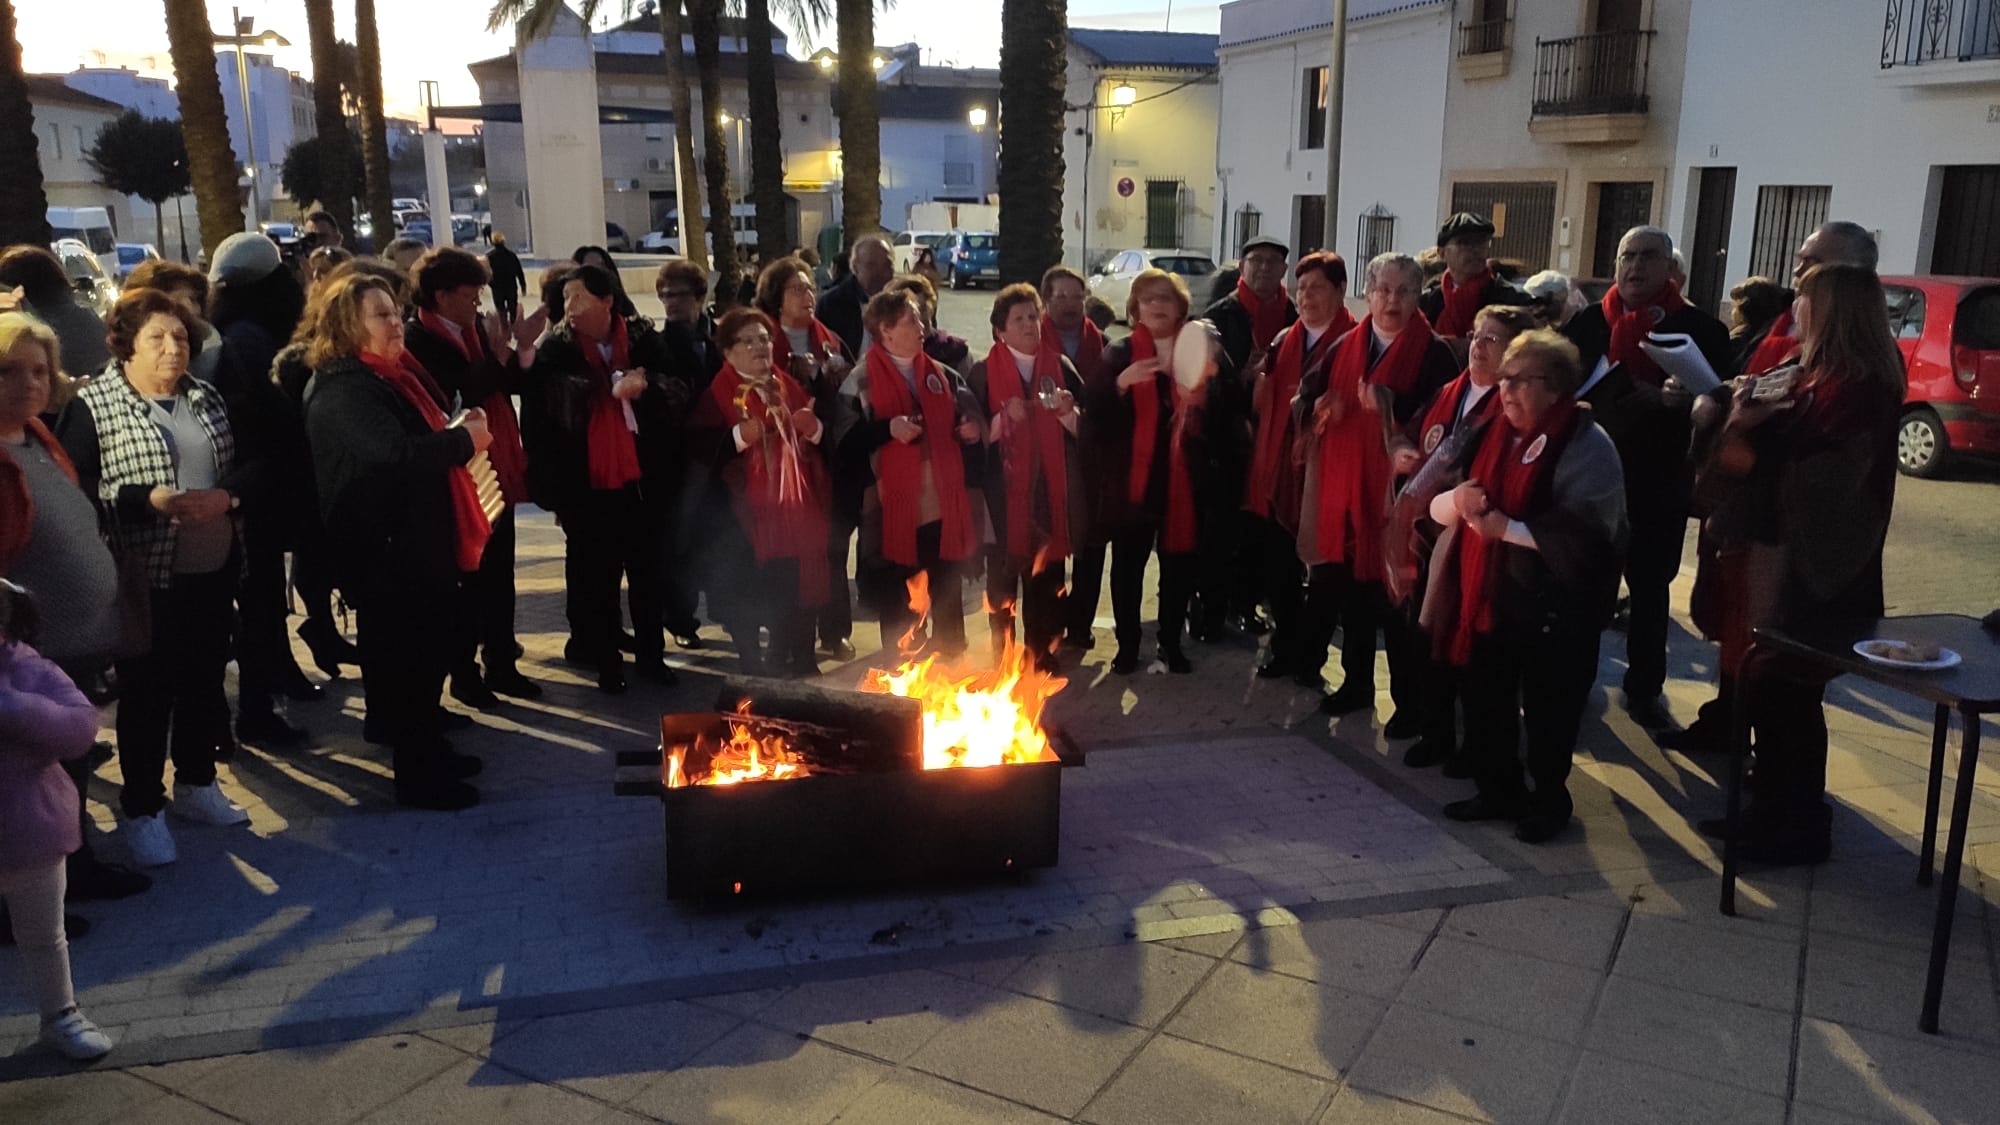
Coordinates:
<point>1489,338</point>
<point>1519,381</point>
<point>1630,256</point>
<point>1400,293</point>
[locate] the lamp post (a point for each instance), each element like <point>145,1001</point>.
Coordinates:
<point>244,26</point>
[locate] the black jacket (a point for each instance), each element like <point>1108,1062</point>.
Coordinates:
<point>1497,292</point>
<point>1232,323</point>
<point>561,386</point>
<point>508,278</point>
<point>472,382</point>
<point>840,308</point>
<point>1651,436</point>
<point>384,486</point>
<point>1108,429</point>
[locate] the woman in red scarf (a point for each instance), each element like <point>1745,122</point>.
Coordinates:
<point>472,359</point>
<point>1153,436</point>
<point>817,360</point>
<point>1276,479</point>
<point>1030,390</point>
<point>403,523</point>
<point>1523,582</point>
<point>920,429</point>
<point>1380,373</point>
<point>768,566</point>
<point>616,416</point>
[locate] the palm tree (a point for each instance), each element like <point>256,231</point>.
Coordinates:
<point>1034,44</point>
<point>24,207</point>
<point>767,157</point>
<point>860,123</point>
<point>212,166</point>
<point>335,159</point>
<point>375,132</point>
<point>705,22</point>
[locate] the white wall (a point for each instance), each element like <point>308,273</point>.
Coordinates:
<point>914,153</point>
<point>1393,131</point>
<point>561,142</point>
<point>1168,133</point>
<point>1793,92</point>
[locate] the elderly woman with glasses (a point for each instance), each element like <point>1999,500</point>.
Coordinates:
<point>1523,583</point>
<point>1347,414</point>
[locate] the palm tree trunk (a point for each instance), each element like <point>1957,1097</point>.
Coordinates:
<point>704,20</point>
<point>24,207</point>
<point>212,165</point>
<point>767,155</point>
<point>375,135</point>
<point>1034,43</point>
<point>687,183</point>
<point>336,158</point>
<point>860,123</point>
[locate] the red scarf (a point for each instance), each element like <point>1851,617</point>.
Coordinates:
<point>510,461</point>
<point>899,469</point>
<point>1030,450</point>
<point>1267,317</point>
<point>1777,346</point>
<point>1461,303</point>
<point>1089,350</point>
<point>822,341</point>
<point>1442,418</point>
<point>1511,471</point>
<point>1274,419</point>
<point>468,519</point>
<point>1630,327</point>
<point>613,447</point>
<point>1177,531</point>
<point>1354,476</point>
<point>778,528</point>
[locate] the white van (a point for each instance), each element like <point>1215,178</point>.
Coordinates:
<point>742,216</point>
<point>90,226</point>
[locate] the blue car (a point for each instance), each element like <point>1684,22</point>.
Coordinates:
<point>969,258</point>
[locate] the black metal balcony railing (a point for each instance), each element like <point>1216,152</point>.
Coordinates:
<point>1927,31</point>
<point>1600,73</point>
<point>1483,38</point>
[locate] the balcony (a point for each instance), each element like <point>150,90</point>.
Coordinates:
<point>1591,89</point>
<point>1484,47</point>
<point>1941,37</point>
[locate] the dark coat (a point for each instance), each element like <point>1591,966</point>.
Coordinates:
<point>994,472</point>
<point>1440,366</point>
<point>1108,424</point>
<point>562,386</point>
<point>471,382</point>
<point>1232,323</point>
<point>384,485</point>
<point>1497,292</point>
<point>270,434</point>
<point>840,308</point>
<point>508,278</point>
<point>1651,435</point>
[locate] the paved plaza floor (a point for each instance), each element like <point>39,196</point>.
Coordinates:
<point>1258,916</point>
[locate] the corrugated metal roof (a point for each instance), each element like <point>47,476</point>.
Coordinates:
<point>1116,47</point>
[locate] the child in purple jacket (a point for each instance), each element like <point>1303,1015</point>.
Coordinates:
<point>44,720</point>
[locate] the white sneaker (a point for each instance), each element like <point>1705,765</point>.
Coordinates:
<point>75,1037</point>
<point>152,845</point>
<point>205,804</point>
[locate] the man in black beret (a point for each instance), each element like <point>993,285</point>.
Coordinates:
<point>1467,283</point>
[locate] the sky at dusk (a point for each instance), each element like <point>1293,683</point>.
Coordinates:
<point>435,39</point>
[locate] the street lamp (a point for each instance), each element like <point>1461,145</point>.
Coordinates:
<point>977,117</point>
<point>244,26</point>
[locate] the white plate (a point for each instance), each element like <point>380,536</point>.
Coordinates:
<point>1946,658</point>
<point>1191,354</point>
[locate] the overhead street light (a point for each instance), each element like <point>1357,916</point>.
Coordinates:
<point>247,36</point>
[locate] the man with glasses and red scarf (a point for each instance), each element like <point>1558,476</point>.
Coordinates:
<point>1648,418</point>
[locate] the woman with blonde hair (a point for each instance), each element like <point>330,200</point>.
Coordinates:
<point>1805,479</point>
<point>404,521</point>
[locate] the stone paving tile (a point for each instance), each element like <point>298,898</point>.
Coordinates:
<point>610,1054</point>
<point>907,1097</point>
<point>1355,954</point>
<point>757,1076</point>
<point>1471,1070</point>
<point>470,1092</point>
<point>1716,1040</point>
<point>1606,1089</point>
<point>889,1016</point>
<point>1356,1106</point>
<point>1190,1084</point>
<point>1734,964</point>
<point>1864,985</point>
<point>1551,928</point>
<point>1032,1051</point>
<point>1136,984</point>
<point>78,1099</point>
<point>1278,1019</point>
<point>310,1085</point>
<point>1493,986</point>
<point>1888,1077</point>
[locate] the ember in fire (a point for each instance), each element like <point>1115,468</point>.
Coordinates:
<point>747,756</point>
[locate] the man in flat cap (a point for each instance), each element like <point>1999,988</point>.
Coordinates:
<point>1467,284</point>
<point>1247,319</point>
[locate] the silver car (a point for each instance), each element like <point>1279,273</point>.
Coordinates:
<point>1113,281</point>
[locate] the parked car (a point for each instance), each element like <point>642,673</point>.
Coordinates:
<point>281,233</point>
<point>1113,283</point>
<point>903,249</point>
<point>419,229</point>
<point>616,240</point>
<point>658,242</point>
<point>90,226</point>
<point>968,258</point>
<point>1949,331</point>
<point>130,254</point>
<point>86,274</point>
<point>464,230</point>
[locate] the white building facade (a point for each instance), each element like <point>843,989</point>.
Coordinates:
<point>1139,167</point>
<point>1271,146</point>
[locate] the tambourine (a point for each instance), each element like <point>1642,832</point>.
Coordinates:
<point>1191,354</point>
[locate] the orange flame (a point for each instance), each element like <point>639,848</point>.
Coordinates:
<point>988,717</point>
<point>920,605</point>
<point>745,757</point>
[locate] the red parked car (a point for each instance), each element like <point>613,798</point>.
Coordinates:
<point>1949,330</point>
